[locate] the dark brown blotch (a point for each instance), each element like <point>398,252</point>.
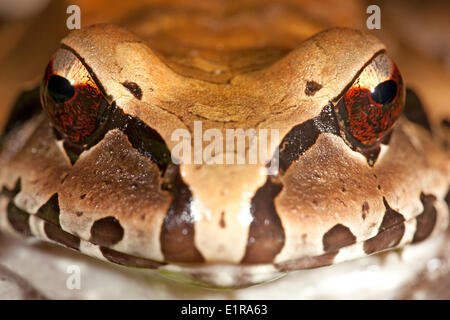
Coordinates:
<point>58,235</point>
<point>303,136</point>
<point>72,151</point>
<point>427,219</point>
<point>18,219</point>
<point>337,237</point>
<point>134,88</point>
<point>391,217</point>
<point>11,193</point>
<point>371,154</point>
<point>266,235</point>
<point>142,137</point>
<point>177,233</point>
<point>447,198</point>
<point>386,139</point>
<point>389,233</point>
<point>106,232</point>
<point>365,207</point>
<point>222,220</point>
<point>50,210</point>
<point>365,210</point>
<point>312,87</point>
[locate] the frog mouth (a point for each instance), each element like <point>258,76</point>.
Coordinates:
<point>45,225</point>
<point>370,277</point>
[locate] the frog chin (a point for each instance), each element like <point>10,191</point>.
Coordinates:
<point>380,275</point>
<point>391,274</point>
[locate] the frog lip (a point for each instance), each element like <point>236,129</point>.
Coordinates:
<point>371,277</point>
<point>218,275</point>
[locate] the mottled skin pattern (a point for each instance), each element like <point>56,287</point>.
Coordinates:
<point>114,198</point>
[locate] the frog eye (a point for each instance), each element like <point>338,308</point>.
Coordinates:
<point>71,98</point>
<point>371,106</point>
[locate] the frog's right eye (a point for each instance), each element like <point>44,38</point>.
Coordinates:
<point>372,105</point>
<point>71,98</point>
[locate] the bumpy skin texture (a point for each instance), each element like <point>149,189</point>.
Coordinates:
<point>225,225</point>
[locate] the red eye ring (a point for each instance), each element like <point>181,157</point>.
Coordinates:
<point>372,105</point>
<point>73,102</point>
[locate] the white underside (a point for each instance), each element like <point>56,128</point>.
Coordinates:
<point>376,277</point>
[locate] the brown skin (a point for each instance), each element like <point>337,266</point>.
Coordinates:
<point>258,80</point>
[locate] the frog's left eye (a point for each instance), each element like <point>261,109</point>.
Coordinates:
<point>374,102</point>
<point>73,101</point>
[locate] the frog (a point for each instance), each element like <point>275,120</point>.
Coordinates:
<point>86,159</point>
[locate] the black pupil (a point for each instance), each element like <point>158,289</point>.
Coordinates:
<point>60,88</point>
<point>385,92</point>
